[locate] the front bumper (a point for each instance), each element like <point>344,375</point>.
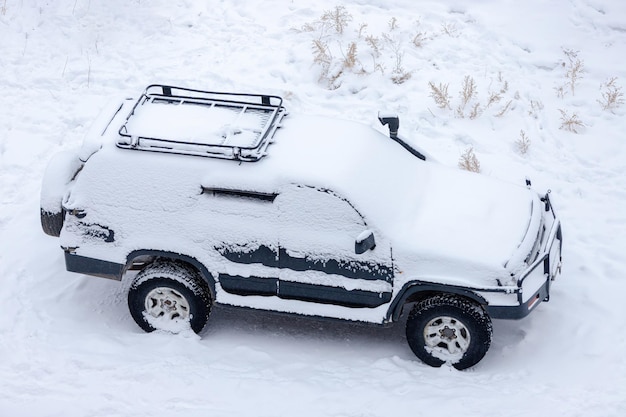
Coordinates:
<point>533,285</point>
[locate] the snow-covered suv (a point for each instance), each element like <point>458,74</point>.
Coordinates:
<point>219,198</point>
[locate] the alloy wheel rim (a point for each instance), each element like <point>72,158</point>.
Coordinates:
<point>168,303</point>
<point>447,337</point>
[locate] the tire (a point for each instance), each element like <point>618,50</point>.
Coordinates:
<point>171,297</point>
<point>449,329</point>
<point>52,223</point>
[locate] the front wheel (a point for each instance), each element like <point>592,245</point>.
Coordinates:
<point>171,297</point>
<point>449,329</point>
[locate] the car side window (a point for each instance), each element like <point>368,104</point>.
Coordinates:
<point>316,220</point>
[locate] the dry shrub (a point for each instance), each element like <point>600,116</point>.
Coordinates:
<point>535,107</point>
<point>338,19</point>
<point>419,38</point>
<point>350,59</point>
<point>393,24</point>
<point>570,122</point>
<point>467,93</point>
<point>322,56</point>
<point>362,29</point>
<point>475,111</point>
<point>468,161</point>
<point>575,67</point>
<point>338,56</point>
<point>450,29</point>
<point>400,75</point>
<point>612,96</point>
<point>522,143</point>
<point>504,109</point>
<point>493,98</point>
<point>440,95</point>
<point>374,44</point>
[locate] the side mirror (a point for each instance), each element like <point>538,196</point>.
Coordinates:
<point>364,242</point>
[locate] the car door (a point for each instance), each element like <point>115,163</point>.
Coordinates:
<point>243,227</point>
<point>317,231</point>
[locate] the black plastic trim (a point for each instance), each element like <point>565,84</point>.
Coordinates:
<point>225,192</point>
<point>331,295</point>
<point>346,268</point>
<point>204,272</point>
<point>248,285</point>
<point>91,266</point>
<point>262,255</point>
<point>414,287</point>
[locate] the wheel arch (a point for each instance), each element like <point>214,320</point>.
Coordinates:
<point>415,291</point>
<point>146,256</point>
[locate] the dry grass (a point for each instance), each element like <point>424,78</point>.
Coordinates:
<point>339,47</point>
<point>374,44</point>
<point>574,69</point>
<point>450,29</point>
<point>468,161</point>
<point>337,19</point>
<point>393,24</point>
<point>350,60</point>
<point>535,107</point>
<point>362,29</point>
<point>522,143</point>
<point>440,95</point>
<point>493,98</point>
<point>504,109</point>
<point>475,112</point>
<point>468,90</point>
<point>612,96</point>
<point>322,55</point>
<point>419,39</point>
<point>400,75</point>
<point>3,9</point>
<point>467,93</point>
<point>560,90</point>
<point>570,122</point>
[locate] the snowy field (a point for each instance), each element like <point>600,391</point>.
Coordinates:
<point>68,345</point>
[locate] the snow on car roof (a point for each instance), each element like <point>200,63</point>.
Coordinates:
<point>421,205</point>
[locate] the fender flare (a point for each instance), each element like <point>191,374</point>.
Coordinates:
<point>199,266</point>
<point>415,287</point>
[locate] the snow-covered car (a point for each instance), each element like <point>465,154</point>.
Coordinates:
<point>220,198</point>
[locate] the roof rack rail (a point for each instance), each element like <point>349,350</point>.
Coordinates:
<point>204,123</point>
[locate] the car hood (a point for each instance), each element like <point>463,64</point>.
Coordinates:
<point>462,224</point>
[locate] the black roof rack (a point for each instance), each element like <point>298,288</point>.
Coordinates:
<point>204,123</point>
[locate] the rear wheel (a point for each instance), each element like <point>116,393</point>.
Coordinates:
<point>171,297</point>
<point>449,329</point>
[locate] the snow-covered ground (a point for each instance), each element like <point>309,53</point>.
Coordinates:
<point>68,345</point>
